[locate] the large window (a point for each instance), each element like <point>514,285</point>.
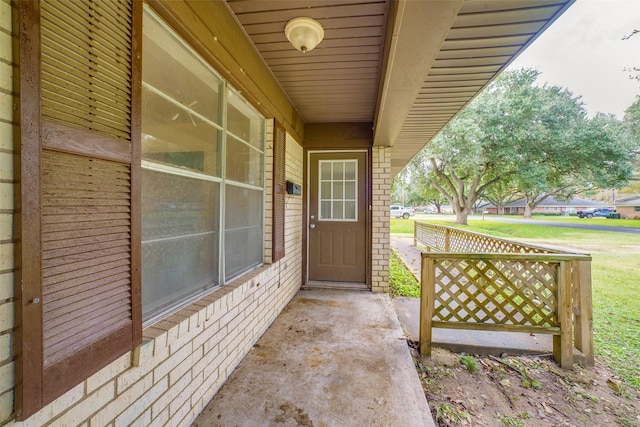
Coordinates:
<point>203,175</point>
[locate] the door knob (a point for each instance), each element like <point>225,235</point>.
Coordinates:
<point>312,226</point>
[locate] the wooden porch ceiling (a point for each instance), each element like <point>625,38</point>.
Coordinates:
<point>405,66</point>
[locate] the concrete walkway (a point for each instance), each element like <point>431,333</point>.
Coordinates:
<point>460,340</point>
<point>332,358</point>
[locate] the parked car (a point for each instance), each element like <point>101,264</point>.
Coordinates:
<point>596,212</point>
<point>398,211</point>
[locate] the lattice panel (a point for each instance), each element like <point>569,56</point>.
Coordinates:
<point>428,236</point>
<point>462,241</point>
<point>496,292</point>
<point>436,237</point>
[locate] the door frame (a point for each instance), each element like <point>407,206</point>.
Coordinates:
<point>305,210</point>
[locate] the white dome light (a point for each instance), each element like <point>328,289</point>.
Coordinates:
<point>304,33</point>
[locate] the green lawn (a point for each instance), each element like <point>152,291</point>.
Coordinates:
<point>615,274</point>
<point>630,223</point>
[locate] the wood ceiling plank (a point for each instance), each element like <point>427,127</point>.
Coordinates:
<point>484,42</point>
<point>519,29</point>
<point>479,52</point>
<point>493,17</point>
<point>320,12</point>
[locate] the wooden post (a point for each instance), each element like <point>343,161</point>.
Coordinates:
<point>583,309</point>
<point>415,233</point>
<point>427,297</point>
<point>446,240</point>
<point>562,344</point>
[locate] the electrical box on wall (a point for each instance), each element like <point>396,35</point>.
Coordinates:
<point>294,189</point>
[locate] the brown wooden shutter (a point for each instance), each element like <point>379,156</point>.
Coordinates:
<point>80,195</point>
<point>279,190</point>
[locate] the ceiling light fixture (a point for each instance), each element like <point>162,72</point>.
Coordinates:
<point>304,33</point>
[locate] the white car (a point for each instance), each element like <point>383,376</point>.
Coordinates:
<point>398,211</point>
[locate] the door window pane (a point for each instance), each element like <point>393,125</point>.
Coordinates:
<point>337,190</point>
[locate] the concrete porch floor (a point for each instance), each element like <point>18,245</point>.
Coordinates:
<point>332,358</point>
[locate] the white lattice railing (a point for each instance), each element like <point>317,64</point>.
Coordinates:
<point>475,281</point>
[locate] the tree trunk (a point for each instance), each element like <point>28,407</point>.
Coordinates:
<point>461,216</point>
<point>528,210</point>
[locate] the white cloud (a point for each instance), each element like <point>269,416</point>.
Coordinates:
<point>584,52</point>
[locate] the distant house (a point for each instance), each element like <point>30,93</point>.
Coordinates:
<point>549,205</point>
<point>629,207</point>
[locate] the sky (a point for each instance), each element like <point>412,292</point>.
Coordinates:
<point>583,51</point>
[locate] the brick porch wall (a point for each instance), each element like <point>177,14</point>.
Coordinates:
<point>380,217</point>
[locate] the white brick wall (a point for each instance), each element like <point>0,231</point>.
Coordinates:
<point>185,358</point>
<point>381,182</point>
<point>6,212</point>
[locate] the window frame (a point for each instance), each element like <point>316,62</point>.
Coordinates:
<point>225,94</point>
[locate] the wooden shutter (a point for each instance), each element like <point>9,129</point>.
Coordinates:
<point>279,190</point>
<point>80,194</point>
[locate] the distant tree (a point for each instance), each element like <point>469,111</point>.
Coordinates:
<point>632,125</point>
<point>517,135</point>
<point>513,127</point>
<point>598,155</point>
<point>501,193</point>
<point>632,120</point>
<point>634,71</point>
<point>432,196</point>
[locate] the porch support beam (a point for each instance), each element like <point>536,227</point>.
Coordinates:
<point>418,29</point>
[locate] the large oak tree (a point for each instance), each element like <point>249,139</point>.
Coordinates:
<point>537,137</point>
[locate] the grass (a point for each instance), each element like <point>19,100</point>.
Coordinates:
<point>629,223</point>
<point>514,421</point>
<point>615,276</point>
<point>470,362</point>
<point>401,280</point>
<point>401,226</point>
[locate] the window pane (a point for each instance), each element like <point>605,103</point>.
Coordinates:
<point>350,190</point>
<point>337,210</point>
<point>244,122</point>
<point>325,170</point>
<point>325,190</point>
<point>338,194</point>
<point>244,163</point>
<point>165,58</point>
<point>174,136</point>
<point>349,210</point>
<point>179,239</point>
<point>337,190</point>
<point>325,210</point>
<point>243,229</point>
<point>338,170</point>
<point>350,170</point>
<point>182,124</point>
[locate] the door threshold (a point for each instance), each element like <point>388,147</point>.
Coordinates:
<point>336,285</point>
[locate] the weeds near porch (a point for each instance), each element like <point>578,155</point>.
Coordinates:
<point>446,412</point>
<point>401,280</point>
<point>516,421</point>
<point>470,362</point>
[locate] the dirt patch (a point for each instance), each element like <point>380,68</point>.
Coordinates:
<point>522,391</point>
